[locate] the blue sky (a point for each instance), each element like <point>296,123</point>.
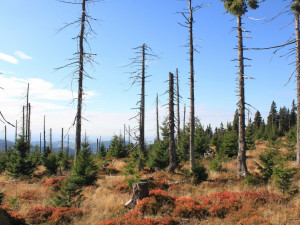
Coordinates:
<point>30,27</point>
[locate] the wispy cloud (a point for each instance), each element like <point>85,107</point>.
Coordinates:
<point>8,58</point>
<point>22,55</point>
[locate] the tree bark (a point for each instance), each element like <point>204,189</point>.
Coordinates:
<point>178,109</point>
<point>184,111</point>
<point>241,159</point>
<point>142,112</point>
<point>172,153</point>
<point>23,127</point>
<point>80,81</point>
<point>29,121</point>
<point>16,135</point>
<point>27,115</point>
<point>5,139</point>
<point>157,119</point>
<point>44,134</point>
<point>40,142</point>
<point>297,34</point>
<point>51,139</point>
<point>192,112</point>
<point>62,139</point>
<point>140,191</point>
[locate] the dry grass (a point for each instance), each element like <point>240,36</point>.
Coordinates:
<point>103,203</point>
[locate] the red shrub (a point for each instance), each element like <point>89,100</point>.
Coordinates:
<point>174,187</point>
<point>58,215</point>
<point>157,202</point>
<point>187,207</point>
<point>39,214</point>
<point>156,184</point>
<point>254,220</point>
<point>122,188</point>
<point>54,182</point>
<point>64,215</point>
<point>28,196</point>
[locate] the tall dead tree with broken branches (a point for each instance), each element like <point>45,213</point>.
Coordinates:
<point>172,152</point>
<point>138,77</point>
<point>82,57</point>
<point>157,119</point>
<point>188,15</point>
<point>238,9</point>
<point>178,108</point>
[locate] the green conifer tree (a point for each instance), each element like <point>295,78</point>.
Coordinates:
<point>19,163</point>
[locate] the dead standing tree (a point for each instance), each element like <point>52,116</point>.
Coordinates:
<point>188,15</point>
<point>178,108</point>
<point>238,9</point>
<point>138,77</point>
<point>82,57</point>
<point>172,152</point>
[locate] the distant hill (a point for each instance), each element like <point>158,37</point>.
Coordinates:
<point>9,144</point>
<point>56,145</point>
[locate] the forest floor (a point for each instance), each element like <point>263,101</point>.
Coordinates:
<point>223,199</point>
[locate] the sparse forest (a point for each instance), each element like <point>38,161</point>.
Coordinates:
<point>243,171</point>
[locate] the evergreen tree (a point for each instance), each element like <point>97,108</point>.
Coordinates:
<point>85,171</point>
<point>283,120</point>
<point>102,150</point>
<point>19,163</point>
<point>201,140</point>
<point>208,131</point>
<point>235,123</point>
<point>273,117</point>
<point>229,144</point>
<point>159,151</point>
<point>257,122</point>
<point>51,163</point>
<point>116,148</point>
<point>36,156</point>
<point>293,115</point>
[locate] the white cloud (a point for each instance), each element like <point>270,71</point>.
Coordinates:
<point>22,55</point>
<point>8,58</point>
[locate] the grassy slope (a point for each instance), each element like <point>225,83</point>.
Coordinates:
<point>105,201</point>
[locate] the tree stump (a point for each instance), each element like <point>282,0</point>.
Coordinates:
<point>140,191</point>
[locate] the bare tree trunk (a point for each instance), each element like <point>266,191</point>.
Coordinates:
<point>68,146</point>
<point>142,113</point>
<point>298,86</point>
<point>192,112</point>
<point>80,82</point>
<point>23,127</point>
<point>178,109</point>
<point>129,135</point>
<point>27,114</point>
<point>241,159</point>
<point>157,119</point>
<point>62,139</point>
<point>44,134</point>
<point>184,111</point>
<point>51,139</point>
<point>5,139</point>
<point>172,153</point>
<point>124,136</point>
<point>29,121</point>
<point>16,135</point>
<point>97,148</point>
<point>40,142</point>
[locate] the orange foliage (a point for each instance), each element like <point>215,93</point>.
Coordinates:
<point>43,214</point>
<point>28,196</point>
<point>122,188</point>
<point>54,182</point>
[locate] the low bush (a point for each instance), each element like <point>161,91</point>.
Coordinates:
<point>50,215</point>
